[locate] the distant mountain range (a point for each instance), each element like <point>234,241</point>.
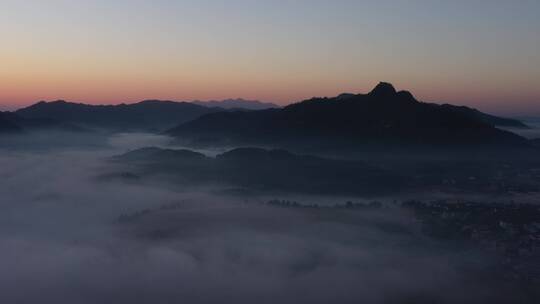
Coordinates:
<point>14,123</point>
<point>148,115</point>
<point>238,103</point>
<point>7,125</point>
<point>381,116</point>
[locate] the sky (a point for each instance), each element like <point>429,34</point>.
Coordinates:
<point>483,54</point>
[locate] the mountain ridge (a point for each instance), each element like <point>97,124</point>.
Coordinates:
<point>146,115</point>
<point>384,115</point>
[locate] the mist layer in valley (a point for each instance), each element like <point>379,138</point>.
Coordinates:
<point>91,218</point>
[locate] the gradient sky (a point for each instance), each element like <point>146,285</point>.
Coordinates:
<point>479,53</point>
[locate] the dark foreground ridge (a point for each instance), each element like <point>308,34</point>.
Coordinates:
<point>256,169</point>
<point>264,170</point>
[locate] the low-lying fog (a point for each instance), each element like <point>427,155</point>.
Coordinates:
<point>532,132</point>
<point>68,237</point>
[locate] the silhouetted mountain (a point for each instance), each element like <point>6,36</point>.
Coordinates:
<point>11,122</point>
<point>7,125</point>
<point>237,104</point>
<point>145,115</point>
<point>37,124</point>
<point>381,116</point>
<point>260,169</point>
<point>487,118</point>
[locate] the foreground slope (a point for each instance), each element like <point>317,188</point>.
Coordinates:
<point>264,170</point>
<point>278,171</point>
